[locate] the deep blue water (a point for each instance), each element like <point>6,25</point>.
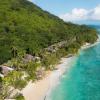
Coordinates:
<point>82,82</point>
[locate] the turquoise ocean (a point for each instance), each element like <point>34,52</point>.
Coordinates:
<point>82,81</point>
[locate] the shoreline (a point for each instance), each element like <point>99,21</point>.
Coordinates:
<point>39,90</point>
<point>88,45</point>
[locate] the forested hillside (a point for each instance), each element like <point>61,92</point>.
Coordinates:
<point>26,27</point>
<point>32,41</point>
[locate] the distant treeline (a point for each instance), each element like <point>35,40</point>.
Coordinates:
<point>26,28</point>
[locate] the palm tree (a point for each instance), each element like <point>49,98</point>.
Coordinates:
<point>14,51</point>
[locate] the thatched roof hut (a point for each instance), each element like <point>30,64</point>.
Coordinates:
<point>5,70</point>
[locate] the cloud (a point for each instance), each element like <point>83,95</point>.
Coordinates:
<point>80,14</point>
<point>96,13</point>
<point>30,0</point>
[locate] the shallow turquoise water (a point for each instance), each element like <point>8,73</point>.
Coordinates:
<point>82,82</point>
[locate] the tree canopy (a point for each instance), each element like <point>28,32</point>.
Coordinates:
<point>26,27</point>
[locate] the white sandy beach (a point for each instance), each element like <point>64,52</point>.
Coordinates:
<point>39,89</point>
<point>88,45</point>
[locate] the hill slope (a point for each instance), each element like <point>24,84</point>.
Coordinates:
<point>26,27</point>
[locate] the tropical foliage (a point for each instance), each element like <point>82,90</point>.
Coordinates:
<point>27,29</point>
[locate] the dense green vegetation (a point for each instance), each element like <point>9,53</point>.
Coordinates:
<point>27,29</point>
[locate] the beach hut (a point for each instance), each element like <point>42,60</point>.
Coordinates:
<point>5,70</point>
<point>1,75</point>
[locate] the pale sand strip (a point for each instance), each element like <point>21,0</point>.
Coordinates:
<point>88,45</point>
<point>39,89</point>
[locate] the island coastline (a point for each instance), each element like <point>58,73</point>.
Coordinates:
<point>39,90</point>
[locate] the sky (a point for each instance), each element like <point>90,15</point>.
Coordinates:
<point>76,11</point>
